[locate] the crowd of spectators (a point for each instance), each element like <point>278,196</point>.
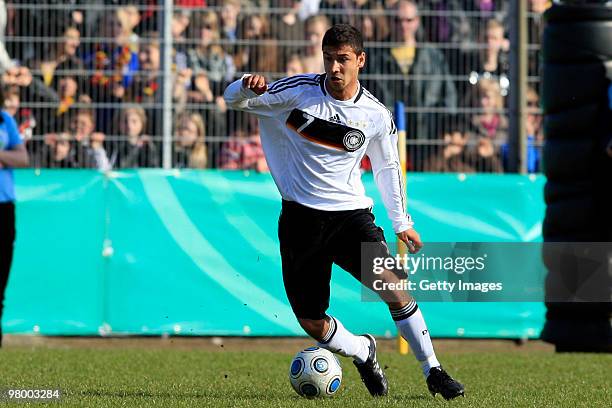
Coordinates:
<point>85,81</point>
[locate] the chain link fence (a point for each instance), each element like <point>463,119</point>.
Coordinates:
<point>139,84</point>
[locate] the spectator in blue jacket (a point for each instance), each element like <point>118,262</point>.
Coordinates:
<point>12,154</point>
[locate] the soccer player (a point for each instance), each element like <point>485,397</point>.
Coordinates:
<point>12,154</point>
<point>315,129</point>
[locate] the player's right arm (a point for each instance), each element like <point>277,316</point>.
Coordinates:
<point>250,94</point>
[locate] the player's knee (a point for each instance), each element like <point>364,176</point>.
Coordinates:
<point>314,328</point>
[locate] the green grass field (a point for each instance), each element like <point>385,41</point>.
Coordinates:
<point>130,376</point>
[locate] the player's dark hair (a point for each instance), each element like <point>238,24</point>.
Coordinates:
<point>344,34</point>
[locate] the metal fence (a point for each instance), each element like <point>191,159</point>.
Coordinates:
<point>114,85</point>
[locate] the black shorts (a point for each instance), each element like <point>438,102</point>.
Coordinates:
<point>311,241</point>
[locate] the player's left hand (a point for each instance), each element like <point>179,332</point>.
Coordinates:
<point>412,239</point>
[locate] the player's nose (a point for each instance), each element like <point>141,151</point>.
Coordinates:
<point>335,67</point>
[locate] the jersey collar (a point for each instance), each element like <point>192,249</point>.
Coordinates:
<point>354,99</point>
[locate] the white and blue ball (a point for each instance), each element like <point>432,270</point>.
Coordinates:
<point>315,372</point>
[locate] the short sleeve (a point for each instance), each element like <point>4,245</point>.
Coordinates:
<point>14,138</point>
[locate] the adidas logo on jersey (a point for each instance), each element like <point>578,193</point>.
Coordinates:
<point>335,118</point>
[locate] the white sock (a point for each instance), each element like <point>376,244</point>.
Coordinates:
<point>341,341</point>
<point>411,325</point>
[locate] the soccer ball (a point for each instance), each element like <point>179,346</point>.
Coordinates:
<point>315,372</point>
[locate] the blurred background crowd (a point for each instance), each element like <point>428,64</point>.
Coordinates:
<point>85,80</point>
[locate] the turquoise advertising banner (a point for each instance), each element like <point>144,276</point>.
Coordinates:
<point>196,253</point>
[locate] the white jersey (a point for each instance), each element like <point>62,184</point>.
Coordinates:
<point>314,144</point>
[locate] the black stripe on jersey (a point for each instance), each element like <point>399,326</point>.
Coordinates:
<point>402,190</point>
<point>293,79</point>
<point>292,85</point>
<point>325,133</point>
<point>322,84</point>
<point>359,93</point>
<point>288,80</point>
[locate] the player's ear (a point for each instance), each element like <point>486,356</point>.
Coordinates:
<point>361,58</point>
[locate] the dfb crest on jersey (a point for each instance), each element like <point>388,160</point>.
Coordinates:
<point>353,140</point>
